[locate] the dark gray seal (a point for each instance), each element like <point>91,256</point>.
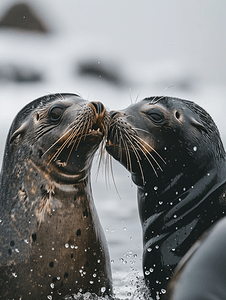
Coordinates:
<point>201,274</point>
<point>51,241</point>
<point>174,152</point>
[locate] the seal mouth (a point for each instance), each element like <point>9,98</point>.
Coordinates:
<point>96,129</point>
<point>129,148</point>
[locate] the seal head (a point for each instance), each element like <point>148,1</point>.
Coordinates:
<point>52,243</point>
<point>174,153</point>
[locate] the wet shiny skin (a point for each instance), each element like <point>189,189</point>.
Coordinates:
<point>180,193</point>
<point>52,243</point>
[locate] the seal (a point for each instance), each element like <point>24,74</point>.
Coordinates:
<point>52,242</point>
<point>173,150</point>
<point>205,264</point>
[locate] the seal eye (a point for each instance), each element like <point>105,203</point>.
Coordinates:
<point>156,117</point>
<point>55,113</point>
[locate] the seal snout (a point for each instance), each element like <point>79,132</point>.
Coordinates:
<point>98,107</point>
<point>99,111</point>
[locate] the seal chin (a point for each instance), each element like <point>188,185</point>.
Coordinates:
<point>62,177</point>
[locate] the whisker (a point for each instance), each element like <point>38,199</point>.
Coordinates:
<point>137,155</point>
<point>137,98</point>
<point>60,149</point>
<point>72,147</point>
<point>152,149</point>
<point>140,147</point>
<point>128,158</point>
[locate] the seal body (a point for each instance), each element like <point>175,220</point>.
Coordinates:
<point>201,274</point>
<point>175,155</point>
<point>51,241</point>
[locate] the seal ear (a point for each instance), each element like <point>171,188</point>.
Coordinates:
<point>18,132</point>
<point>198,125</point>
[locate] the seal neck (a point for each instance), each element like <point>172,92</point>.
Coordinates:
<point>175,215</point>
<point>165,206</point>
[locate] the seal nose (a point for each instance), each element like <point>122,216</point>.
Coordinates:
<point>114,113</point>
<point>98,106</point>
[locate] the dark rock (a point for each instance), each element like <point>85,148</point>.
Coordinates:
<point>100,70</point>
<point>19,74</point>
<point>22,16</point>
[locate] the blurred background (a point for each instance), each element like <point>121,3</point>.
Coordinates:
<point>117,52</point>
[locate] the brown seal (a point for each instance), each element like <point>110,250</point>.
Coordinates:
<point>174,152</point>
<point>51,241</point>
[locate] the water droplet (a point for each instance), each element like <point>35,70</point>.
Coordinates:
<point>26,241</point>
<point>72,246</point>
<point>156,246</point>
<point>98,261</point>
<point>112,261</point>
<point>175,216</point>
<point>49,297</point>
<point>146,272</point>
<point>124,228</point>
<point>91,282</point>
<point>66,245</point>
<point>155,188</point>
<point>52,285</point>
<point>160,202</point>
<point>151,270</point>
<point>94,275</point>
<point>145,194</point>
<point>165,148</point>
<point>14,275</point>
<point>58,278</point>
<point>103,289</point>
<point>149,249</point>
<point>163,291</point>
<point>17,250</point>
<point>208,174</point>
<point>173,249</point>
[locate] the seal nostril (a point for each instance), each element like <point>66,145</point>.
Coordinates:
<point>99,107</point>
<point>113,113</point>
